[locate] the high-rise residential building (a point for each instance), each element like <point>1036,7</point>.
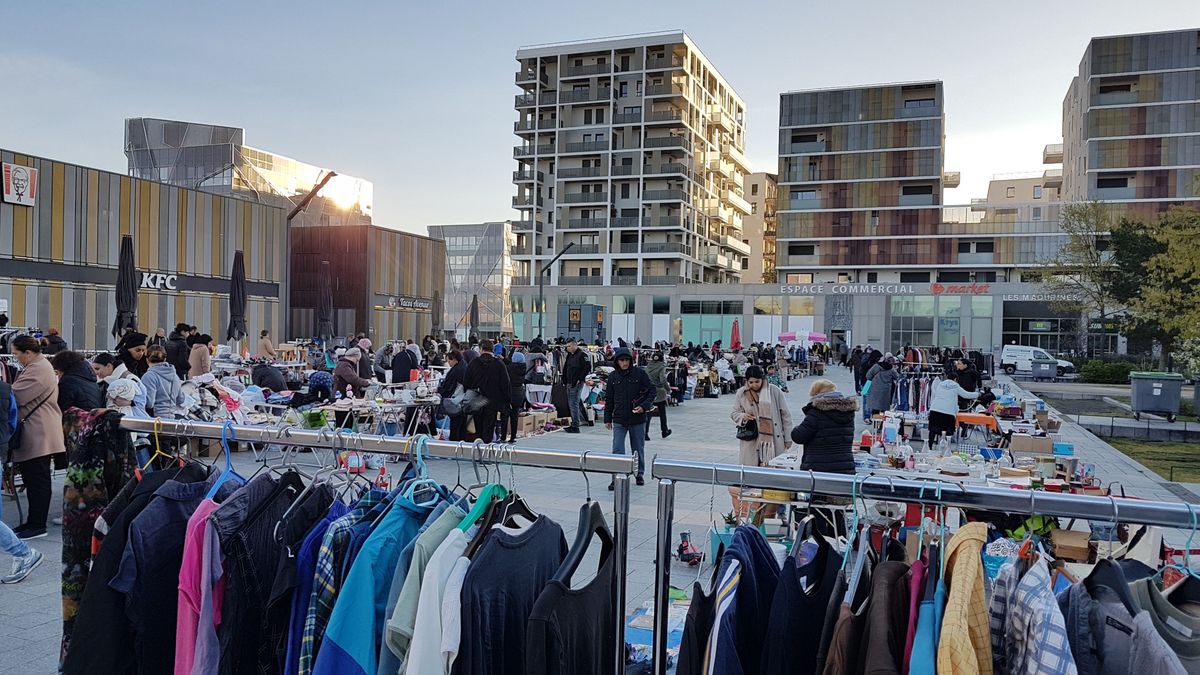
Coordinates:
<point>1131,122</point>
<point>215,159</point>
<point>478,265</point>
<point>860,182</point>
<point>758,228</point>
<point>631,153</point>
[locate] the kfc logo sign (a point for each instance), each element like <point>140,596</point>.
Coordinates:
<point>20,184</point>
<point>959,289</point>
<point>160,282</point>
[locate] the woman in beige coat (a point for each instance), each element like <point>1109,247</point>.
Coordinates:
<point>36,391</point>
<point>763,402</point>
<point>200,357</point>
<point>266,350</point>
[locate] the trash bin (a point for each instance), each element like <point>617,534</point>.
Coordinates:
<point>1044,368</point>
<point>1156,393</point>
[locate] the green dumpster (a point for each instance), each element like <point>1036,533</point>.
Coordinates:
<point>1156,393</point>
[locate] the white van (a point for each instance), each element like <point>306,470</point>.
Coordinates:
<point>1020,358</point>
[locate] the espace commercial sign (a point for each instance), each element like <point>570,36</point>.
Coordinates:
<point>935,288</point>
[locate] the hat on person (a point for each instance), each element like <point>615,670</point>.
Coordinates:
<point>354,354</point>
<point>622,353</point>
<point>364,344</point>
<point>53,331</point>
<point>518,357</point>
<point>122,388</point>
<point>132,340</point>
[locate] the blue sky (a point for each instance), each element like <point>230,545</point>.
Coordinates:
<point>417,97</point>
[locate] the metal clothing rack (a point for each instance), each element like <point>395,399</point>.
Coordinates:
<point>1025,502</point>
<point>621,467</point>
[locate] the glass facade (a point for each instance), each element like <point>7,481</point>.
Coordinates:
<point>706,321</point>
<point>478,263</point>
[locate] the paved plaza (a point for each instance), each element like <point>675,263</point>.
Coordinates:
<point>30,613</point>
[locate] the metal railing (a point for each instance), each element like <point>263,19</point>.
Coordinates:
<point>584,249</point>
<point>526,200</point>
<point>670,280</point>
<point>663,247</point>
<point>624,170</point>
<point>628,221</point>
<point>664,89</point>
<point>665,116</point>
<point>665,195</point>
<point>584,95</point>
<point>584,197</point>
<point>590,69</point>
<point>627,118</point>
<point>664,62</point>
<point>528,175</point>
<point>670,168</point>
<point>582,172</point>
<point>581,281</point>
<point>665,142</point>
<point>586,224</point>
<point>586,146</point>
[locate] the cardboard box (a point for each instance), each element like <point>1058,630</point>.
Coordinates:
<point>1053,425</point>
<point>1032,444</point>
<point>1042,417</point>
<point>1071,545</point>
<point>526,424</point>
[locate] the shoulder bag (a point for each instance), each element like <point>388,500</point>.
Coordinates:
<point>748,430</point>
<point>14,441</point>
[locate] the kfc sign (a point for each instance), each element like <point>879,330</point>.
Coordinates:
<point>938,288</point>
<point>159,282</point>
<point>20,184</point>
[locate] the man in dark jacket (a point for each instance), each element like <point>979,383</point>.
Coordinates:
<point>77,386</point>
<point>54,343</point>
<point>178,349</point>
<point>403,363</point>
<point>827,431</point>
<point>267,376</point>
<point>576,367</point>
<point>629,395</point>
<point>968,379</point>
<point>488,376</point>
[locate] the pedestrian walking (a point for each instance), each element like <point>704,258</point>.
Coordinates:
<point>628,397</point>
<point>576,367</point>
<point>656,370</point>
<point>883,377</point>
<point>41,431</point>
<point>452,387</point>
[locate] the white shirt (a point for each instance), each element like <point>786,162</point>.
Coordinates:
<point>425,649</point>
<point>452,612</point>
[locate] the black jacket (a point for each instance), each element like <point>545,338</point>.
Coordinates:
<point>6,430</point>
<point>516,385</point>
<point>628,389</point>
<point>968,379</point>
<point>178,352</point>
<point>827,434</point>
<point>78,389</point>
<point>268,377</point>
<point>575,368</point>
<point>54,345</point>
<point>453,378</point>
<point>488,376</point>
<point>402,363</point>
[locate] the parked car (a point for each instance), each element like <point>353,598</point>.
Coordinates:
<point>1020,358</point>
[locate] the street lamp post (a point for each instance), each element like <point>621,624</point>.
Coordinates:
<point>546,267</point>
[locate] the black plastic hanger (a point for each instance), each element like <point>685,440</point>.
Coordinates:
<point>591,522</point>
<point>1108,574</point>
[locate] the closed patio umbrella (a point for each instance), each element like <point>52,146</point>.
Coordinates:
<point>474,318</point>
<point>735,337</point>
<point>127,286</point>
<point>237,299</point>
<point>324,303</point>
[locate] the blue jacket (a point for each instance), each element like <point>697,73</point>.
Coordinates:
<point>746,587</point>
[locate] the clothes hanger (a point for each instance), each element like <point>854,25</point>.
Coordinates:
<point>422,481</point>
<point>490,491</point>
<point>514,499</point>
<point>591,523</point>
<point>228,473</point>
<point>1186,590</point>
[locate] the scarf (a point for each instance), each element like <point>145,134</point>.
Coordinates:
<point>764,408</point>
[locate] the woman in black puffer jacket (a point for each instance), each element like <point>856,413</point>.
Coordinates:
<point>77,386</point>
<point>827,431</point>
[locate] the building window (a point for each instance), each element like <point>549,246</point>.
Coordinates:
<point>802,278</point>
<point>843,278</point>
<point>964,247</point>
<point>600,116</point>
<point>587,116</point>
<point>1119,181</point>
<point>753,208</point>
<point>662,304</point>
<point>874,219</point>
<point>985,247</point>
<point>802,249</point>
<point>1037,191</point>
<point>1037,213</point>
<point>804,194</point>
<point>954,277</point>
<point>624,190</point>
<point>754,190</point>
<point>745,263</point>
<point>1010,192</point>
<point>872,277</point>
<point>920,103</point>
<point>917,190</point>
<point>1115,88</point>
<point>914,277</point>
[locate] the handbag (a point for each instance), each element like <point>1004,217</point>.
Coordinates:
<point>14,441</point>
<point>473,402</point>
<point>452,406</point>
<point>747,431</point>
<point>866,388</point>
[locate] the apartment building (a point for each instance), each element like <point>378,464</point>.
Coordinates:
<point>1131,123</point>
<point>630,163</point>
<point>758,228</point>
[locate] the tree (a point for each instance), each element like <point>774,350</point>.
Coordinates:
<point>1081,271</point>
<point>1170,293</point>
<point>1133,246</point>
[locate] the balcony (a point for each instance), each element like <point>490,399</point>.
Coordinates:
<point>737,201</point>
<point>1115,98</point>
<point>672,222</point>
<point>663,247</point>
<point>718,117</point>
<point>624,170</point>
<point>975,258</point>
<point>586,146</point>
<point>629,222</point>
<point>584,96</point>
<point>670,280</point>
<point>580,281</point>
<point>665,116</point>
<point>665,142</point>
<point>664,90</point>
<point>916,200</point>
<point>583,172</point>
<point>715,259</point>
<point>584,71</point>
<point>548,98</point>
<point>730,151</point>
<point>664,62</point>
<point>628,247</point>
<point>665,196</point>
<point>528,248</point>
<point>527,76</point>
<point>951,179</point>
<point>625,279</point>
<point>1116,193</point>
<point>807,148</point>
<point>735,244</point>
<point>586,223</point>
<point>585,198</point>
<point>1052,153</point>
<point>807,203</point>
<point>526,226</point>
<point>627,118</point>
<point>525,176</point>
<point>583,249</point>
<point>526,201</point>
<point>666,169</point>
<point>1052,178</point>
<point>531,150</point>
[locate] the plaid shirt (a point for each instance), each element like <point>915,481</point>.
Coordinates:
<point>965,645</point>
<point>1029,635</point>
<point>327,580</point>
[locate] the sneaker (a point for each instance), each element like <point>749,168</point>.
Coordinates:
<point>22,566</point>
<point>29,533</point>
<point>572,430</point>
<point>667,433</point>
<point>641,481</point>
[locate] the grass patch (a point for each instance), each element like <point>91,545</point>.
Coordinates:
<point>1092,406</point>
<point>1160,456</point>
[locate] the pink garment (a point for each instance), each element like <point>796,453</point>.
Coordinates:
<point>191,574</point>
<point>916,579</point>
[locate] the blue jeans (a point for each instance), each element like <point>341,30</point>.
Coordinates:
<point>8,539</point>
<point>637,439</point>
<point>575,405</point>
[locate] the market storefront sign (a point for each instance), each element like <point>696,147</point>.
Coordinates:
<point>410,303</point>
<point>158,281</point>
<point>938,288</point>
<point>1040,297</point>
<point>848,289</point>
<point>20,184</point>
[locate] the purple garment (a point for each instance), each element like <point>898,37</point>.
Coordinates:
<point>914,602</point>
